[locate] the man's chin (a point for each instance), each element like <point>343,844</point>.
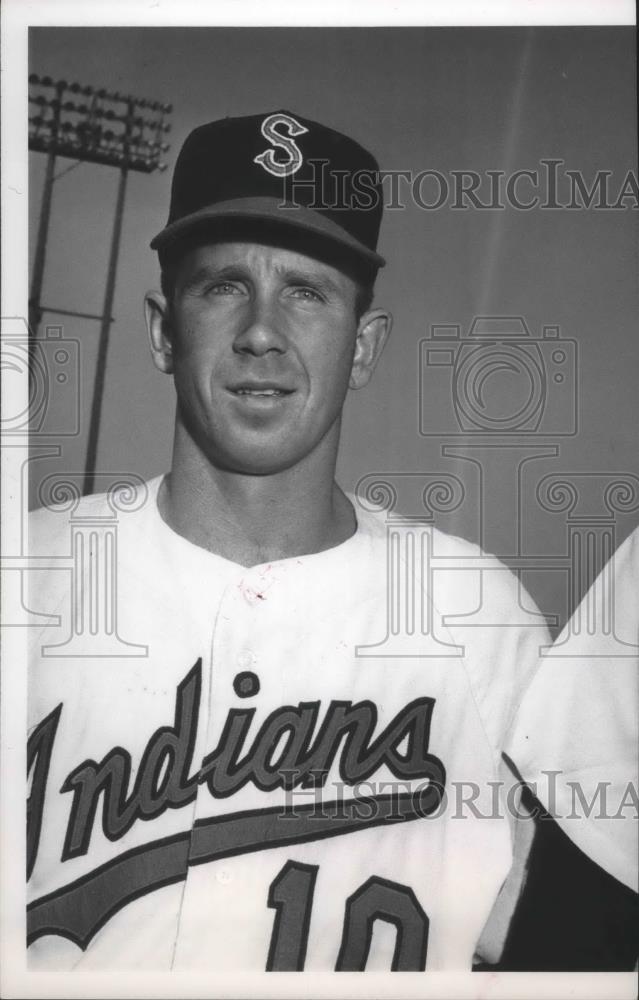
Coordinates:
<point>259,461</point>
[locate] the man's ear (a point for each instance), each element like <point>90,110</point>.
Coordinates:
<point>372,333</point>
<point>158,326</point>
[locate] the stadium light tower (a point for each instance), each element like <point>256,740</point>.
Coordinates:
<point>94,126</point>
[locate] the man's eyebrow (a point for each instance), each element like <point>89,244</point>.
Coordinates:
<point>321,282</point>
<point>206,273</point>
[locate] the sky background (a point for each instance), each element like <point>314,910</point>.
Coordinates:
<point>421,99</point>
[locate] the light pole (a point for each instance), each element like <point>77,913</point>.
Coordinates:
<point>92,126</point>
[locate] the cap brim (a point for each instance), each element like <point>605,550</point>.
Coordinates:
<point>267,210</point>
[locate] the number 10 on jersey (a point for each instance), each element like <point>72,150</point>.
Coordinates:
<point>291,896</point>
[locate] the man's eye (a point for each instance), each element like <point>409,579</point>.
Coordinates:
<point>307,294</point>
<point>224,288</point>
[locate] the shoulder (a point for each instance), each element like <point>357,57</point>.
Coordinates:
<point>477,597</point>
<point>454,569</point>
<point>377,522</point>
<point>626,558</point>
<point>477,604</point>
<point>49,528</point>
<point>611,596</point>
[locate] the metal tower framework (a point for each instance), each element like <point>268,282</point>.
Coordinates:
<point>92,126</point>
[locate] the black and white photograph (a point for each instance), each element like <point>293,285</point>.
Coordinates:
<point>320,501</point>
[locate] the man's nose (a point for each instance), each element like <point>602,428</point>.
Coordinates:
<point>262,329</point>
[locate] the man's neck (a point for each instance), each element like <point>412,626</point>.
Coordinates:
<point>256,519</point>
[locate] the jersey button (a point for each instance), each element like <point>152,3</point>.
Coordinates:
<point>246,684</point>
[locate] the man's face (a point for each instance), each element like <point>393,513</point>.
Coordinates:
<point>263,343</point>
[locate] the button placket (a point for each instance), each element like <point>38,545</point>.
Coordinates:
<point>230,658</point>
<point>245,659</point>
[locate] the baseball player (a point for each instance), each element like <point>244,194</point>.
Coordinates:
<point>582,760</point>
<point>261,756</point>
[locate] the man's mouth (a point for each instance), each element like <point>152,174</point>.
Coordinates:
<point>259,392</point>
<point>257,389</point>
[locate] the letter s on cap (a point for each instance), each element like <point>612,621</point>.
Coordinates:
<point>281,168</point>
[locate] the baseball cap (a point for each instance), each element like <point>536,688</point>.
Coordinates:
<point>282,169</point>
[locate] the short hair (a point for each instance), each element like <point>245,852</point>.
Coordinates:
<point>363,275</point>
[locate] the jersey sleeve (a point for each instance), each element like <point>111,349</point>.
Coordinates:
<point>497,627</point>
<point>496,624</point>
<point>575,737</point>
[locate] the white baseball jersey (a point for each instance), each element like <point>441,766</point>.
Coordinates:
<point>576,737</point>
<point>292,766</point>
